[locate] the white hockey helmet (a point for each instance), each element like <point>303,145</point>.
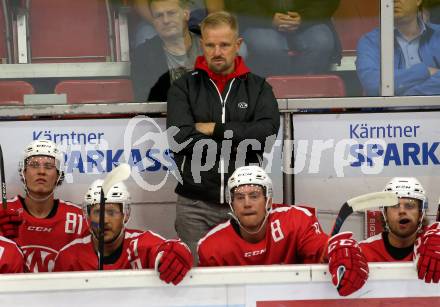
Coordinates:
<point>43,148</point>
<point>408,187</point>
<point>117,194</point>
<point>253,175</point>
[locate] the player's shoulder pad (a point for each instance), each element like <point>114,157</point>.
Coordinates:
<point>372,239</point>
<point>13,199</point>
<point>293,209</point>
<point>214,231</point>
<point>134,233</point>
<point>68,203</point>
<point>4,239</point>
<point>84,240</point>
<point>13,244</point>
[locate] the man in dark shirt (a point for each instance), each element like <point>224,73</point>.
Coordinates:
<point>223,105</point>
<point>161,60</point>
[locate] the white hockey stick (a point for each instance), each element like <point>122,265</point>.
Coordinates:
<point>118,174</point>
<point>363,202</point>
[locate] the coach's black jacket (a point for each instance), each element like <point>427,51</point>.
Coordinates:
<point>247,107</point>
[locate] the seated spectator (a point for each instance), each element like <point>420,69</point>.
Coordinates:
<point>416,54</point>
<point>432,9</point>
<point>145,30</point>
<point>159,61</point>
<point>258,235</point>
<point>123,248</point>
<point>406,235</point>
<point>272,28</point>
<point>11,257</point>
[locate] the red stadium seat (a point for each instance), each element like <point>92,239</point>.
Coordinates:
<point>354,18</point>
<point>68,31</point>
<point>307,86</point>
<point>3,37</point>
<point>96,91</point>
<point>12,92</point>
<point>3,55</point>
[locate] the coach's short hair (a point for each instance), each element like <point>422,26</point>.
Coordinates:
<point>184,4</point>
<point>217,19</point>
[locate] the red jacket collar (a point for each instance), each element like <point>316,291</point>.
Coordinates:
<point>240,69</point>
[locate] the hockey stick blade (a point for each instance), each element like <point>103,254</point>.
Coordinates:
<point>373,200</point>
<point>3,180</point>
<point>118,174</point>
<point>363,202</point>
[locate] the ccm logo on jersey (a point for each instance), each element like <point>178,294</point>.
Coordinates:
<point>39,228</point>
<point>254,253</point>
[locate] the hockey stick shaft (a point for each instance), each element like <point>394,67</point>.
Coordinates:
<point>118,174</point>
<point>3,180</point>
<point>101,231</point>
<point>344,212</point>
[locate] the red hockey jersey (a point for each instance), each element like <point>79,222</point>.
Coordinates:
<point>11,257</point>
<point>139,251</point>
<point>375,251</point>
<point>293,235</point>
<point>41,239</point>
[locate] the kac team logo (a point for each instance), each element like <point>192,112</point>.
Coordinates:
<point>39,258</point>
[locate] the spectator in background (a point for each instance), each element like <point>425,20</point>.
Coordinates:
<point>145,30</point>
<point>164,58</point>
<point>223,104</point>
<point>432,9</point>
<point>416,54</point>
<point>272,28</point>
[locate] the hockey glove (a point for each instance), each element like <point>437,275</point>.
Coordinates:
<point>10,221</point>
<point>347,263</point>
<point>427,254</point>
<point>173,261</point>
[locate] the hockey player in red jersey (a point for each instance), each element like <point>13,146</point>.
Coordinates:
<point>257,235</point>
<point>406,236</point>
<point>123,248</point>
<point>39,223</point>
<point>11,257</point>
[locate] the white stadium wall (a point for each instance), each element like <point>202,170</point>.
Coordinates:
<point>393,284</point>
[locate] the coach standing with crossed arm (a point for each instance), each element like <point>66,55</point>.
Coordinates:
<point>220,104</point>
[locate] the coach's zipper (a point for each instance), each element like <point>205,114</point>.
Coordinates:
<point>222,162</point>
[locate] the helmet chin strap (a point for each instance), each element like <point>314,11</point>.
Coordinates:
<point>419,228</point>
<point>38,199</point>
<point>232,214</point>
